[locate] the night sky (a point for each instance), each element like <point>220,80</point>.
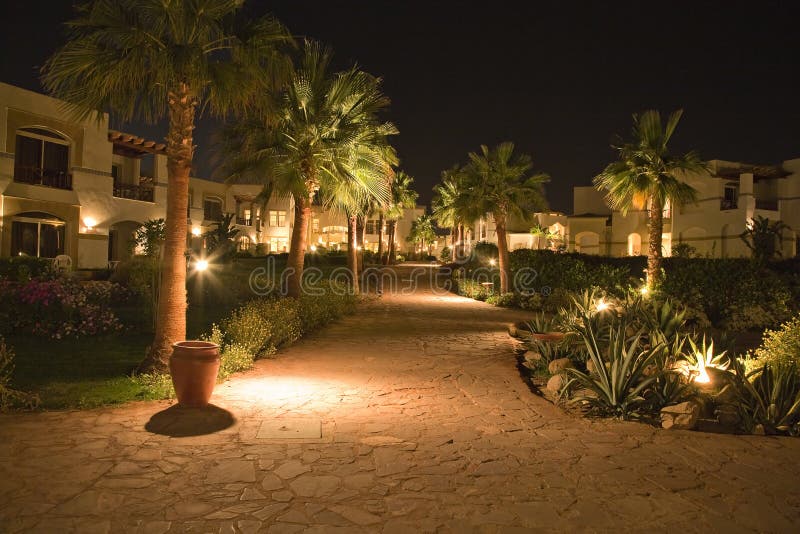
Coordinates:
<point>560,79</point>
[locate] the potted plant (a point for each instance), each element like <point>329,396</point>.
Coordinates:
<point>194,366</point>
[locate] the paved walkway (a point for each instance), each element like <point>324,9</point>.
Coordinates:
<point>425,427</point>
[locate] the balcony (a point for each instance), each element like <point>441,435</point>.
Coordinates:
<point>764,204</point>
<point>728,204</point>
<point>44,177</point>
<point>145,193</point>
<point>244,221</point>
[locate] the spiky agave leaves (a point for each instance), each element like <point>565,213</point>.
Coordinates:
<point>620,378</point>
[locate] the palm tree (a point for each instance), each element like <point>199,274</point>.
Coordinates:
<point>325,135</point>
<point>648,175</point>
<point>150,59</point>
<point>422,232</point>
<point>500,183</point>
<point>445,207</point>
<point>402,197</point>
<point>761,236</point>
<point>219,240</point>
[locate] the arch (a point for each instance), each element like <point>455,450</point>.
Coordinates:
<point>634,244</point>
<point>44,131</point>
<point>587,243</point>
<point>37,233</point>
<point>42,157</point>
<point>695,237</point>
<point>121,236</point>
<point>40,215</point>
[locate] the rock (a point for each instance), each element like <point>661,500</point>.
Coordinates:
<point>681,416</point>
<point>533,357</point>
<point>558,365</point>
<point>555,383</point>
<point>728,416</point>
<point>229,471</point>
<point>291,469</point>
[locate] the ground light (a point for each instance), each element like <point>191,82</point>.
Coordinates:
<point>201,265</point>
<point>196,231</point>
<point>702,376</point>
<point>602,305</point>
<point>313,248</point>
<point>644,290</point>
<point>492,262</point>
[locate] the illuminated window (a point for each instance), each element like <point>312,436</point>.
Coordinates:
<point>315,225</point>
<point>278,245</point>
<point>277,218</point>
<point>243,244</point>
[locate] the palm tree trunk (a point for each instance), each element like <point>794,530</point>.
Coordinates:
<point>380,238</point>
<point>459,248</point>
<point>352,252</point>
<point>361,228</point>
<point>654,247</point>
<point>297,250</point>
<point>392,231</point>
<point>171,315</point>
<point>502,256</point>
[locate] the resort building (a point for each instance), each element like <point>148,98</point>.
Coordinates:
<point>78,189</point>
<point>729,197</point>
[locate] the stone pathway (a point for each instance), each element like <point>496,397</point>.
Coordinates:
<point>425,427</point>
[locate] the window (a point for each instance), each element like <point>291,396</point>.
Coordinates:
<point>315,225</point>
<point>37,234</point>
<point>243,244</point>
<point>730,198</point>
<point>116,173</point>
<point>278,245</point>
<point>189,205</point>
<point>373,226</point>
<point>41,157</point>
<point>277,218</point>
<point>212,209</point>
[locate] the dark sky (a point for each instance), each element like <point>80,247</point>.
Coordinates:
<point>560,79</point>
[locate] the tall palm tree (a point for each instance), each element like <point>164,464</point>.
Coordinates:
<point>402,197</point>
<point>445,208</point>
<point>761,236</point>
<point>422,232</point>
<point>150,59</point>
<point>500,183</point>
<point>326,134</point>
<point>647,175</point>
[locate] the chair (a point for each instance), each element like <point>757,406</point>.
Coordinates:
<point>62,262</point>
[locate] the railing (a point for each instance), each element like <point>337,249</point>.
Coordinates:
<point>244,221</point>
<point>762,204</point>
<point>145,193</point>
<point>44,177</point>
<point>727,204</point>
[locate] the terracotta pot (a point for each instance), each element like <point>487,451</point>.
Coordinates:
<point>194,366</point>
<point>553,337</point>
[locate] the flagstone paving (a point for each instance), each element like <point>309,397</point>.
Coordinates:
<point>425,426</point>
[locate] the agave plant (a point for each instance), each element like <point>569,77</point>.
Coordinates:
<point>541,323</point>
<point>769,398</point>
<point>621,376</point>
<point>701,358</point>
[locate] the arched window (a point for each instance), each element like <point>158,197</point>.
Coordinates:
<point>41,157</point>
<point>37,234</point>
<point>634,244</point>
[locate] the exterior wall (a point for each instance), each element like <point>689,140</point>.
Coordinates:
<point>114,219</point>
<point>711,225</point>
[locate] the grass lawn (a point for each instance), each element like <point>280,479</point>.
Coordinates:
<point>79,373</point>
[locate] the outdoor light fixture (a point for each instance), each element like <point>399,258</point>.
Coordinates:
<point>644,290</point>
<point>90,223</point>
<point>201,265</point>
<point>602,305</point>
<point>313,248</point>
<point>702,375</point>
<point>196,231</point>
<point>492,262</point>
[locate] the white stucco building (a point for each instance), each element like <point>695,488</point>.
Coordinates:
<point>80,189</point>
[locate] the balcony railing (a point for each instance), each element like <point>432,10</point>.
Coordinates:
<point>244,221</point>
<point>45,177</point>
<point>145,193</point>
<point>762,204</point>
<point>728,204</point>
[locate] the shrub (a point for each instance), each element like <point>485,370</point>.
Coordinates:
<point>24,268</point>
<point>58,308</point>
<point>446,255</point>
<point>506,300</point>
<point>768,399</point>
<point>262,325</point>
<point>150,237</point>
<point>8,396</point>
<point>483,251</point>
<point>781,346</point>
<point>319,310</point>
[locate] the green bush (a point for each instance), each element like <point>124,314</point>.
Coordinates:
<point>506,300</point>
<point>319,310</point>
<point>10,397</point>
<point>735,294</point>
<point>24,268</point>
<point>768,399</point>
<point>781,346</point>
<point>262,325</point>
